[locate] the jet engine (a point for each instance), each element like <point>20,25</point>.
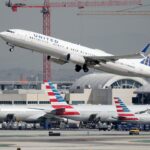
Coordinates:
<point>76,59</point>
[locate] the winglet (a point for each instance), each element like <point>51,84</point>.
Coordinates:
<point>145,48</point>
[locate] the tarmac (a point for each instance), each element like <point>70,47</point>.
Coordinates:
<point>73,140</point>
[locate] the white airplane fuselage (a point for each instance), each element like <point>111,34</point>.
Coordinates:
<point>106,113</point>
<point>59,50</point>
<point>144,118</point>
<point>21,113</point>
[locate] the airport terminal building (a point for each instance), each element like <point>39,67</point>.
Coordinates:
<point>102,88</point>
<point>97,88</point>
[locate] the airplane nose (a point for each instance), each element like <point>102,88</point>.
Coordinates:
<point>2,35</point>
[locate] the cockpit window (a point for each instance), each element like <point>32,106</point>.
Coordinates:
<point>10,31</point>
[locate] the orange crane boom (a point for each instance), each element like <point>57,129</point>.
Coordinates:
<point>77,4</point>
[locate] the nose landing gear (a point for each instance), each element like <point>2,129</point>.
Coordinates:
<point>12,47</point>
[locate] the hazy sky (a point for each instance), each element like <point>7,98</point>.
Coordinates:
<point>115,34</point>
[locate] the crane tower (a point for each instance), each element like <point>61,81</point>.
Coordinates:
<point>46,31</point>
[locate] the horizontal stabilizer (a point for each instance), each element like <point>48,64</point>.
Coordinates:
<point>58,111</point>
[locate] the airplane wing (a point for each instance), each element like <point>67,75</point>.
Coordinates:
<point>143,112</point>
<point>104,59</point>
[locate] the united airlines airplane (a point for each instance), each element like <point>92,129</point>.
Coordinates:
<point>63,52</point>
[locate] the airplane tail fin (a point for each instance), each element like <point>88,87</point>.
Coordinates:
<point>146,60</point>
<point>57,101</point>
<point>124,113</point>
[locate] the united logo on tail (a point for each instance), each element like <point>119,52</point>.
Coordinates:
<point>123,111</point>
<point>58,102</point>
<point>146,61</point>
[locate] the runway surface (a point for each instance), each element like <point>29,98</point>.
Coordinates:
<point>73,140</point>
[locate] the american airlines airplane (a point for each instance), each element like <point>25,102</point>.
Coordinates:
<point>126,115</point>
<point>84,112</point>
<point>62,52</point>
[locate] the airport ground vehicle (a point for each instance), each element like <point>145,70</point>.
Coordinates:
<point>134,131</point>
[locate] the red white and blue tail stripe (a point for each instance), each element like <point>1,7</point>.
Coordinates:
<point>123,111</point>
<point>58,102</point>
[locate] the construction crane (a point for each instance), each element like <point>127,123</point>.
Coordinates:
<point>46,31</point>
<point>76,4</point>
<point>128,11</point>
<point>70,4</point>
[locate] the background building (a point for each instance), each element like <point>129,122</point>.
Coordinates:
<point>101,88</point>
<point>142,95</point>
<point>94,88</point>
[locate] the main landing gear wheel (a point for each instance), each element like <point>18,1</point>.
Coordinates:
<point>85,68</point>
<point>78,68</point>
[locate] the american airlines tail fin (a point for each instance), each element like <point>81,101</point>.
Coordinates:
<point>58,102</point>
<point>124,113</point>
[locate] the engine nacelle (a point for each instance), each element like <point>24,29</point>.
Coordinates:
<point>76,59</point>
